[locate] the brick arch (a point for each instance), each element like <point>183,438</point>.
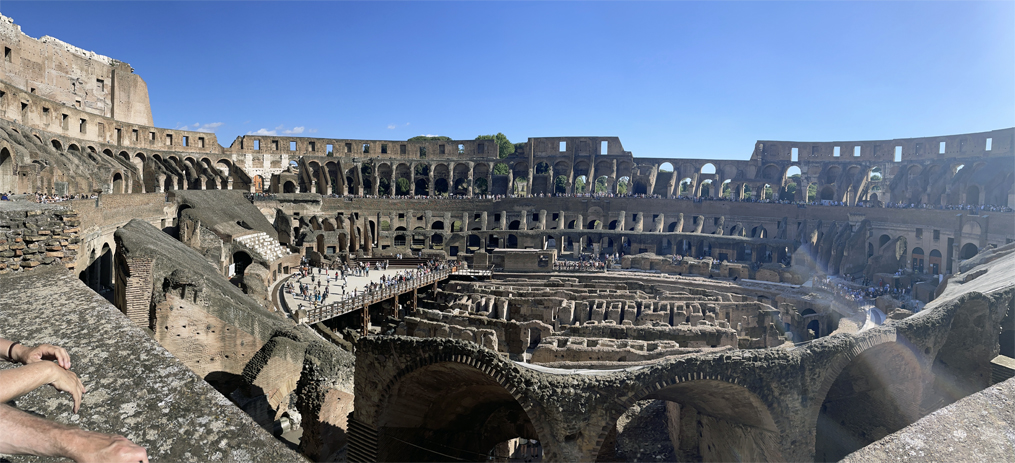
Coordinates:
<point>693,381</point>
<point>491,369</point>
<point>873,342</point>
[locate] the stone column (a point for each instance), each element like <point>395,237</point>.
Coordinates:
<point>639,222</point>
<point>560,220</point>
<point>542,219</point>
<point>579,223</point>
<point>621,220</point>
<point>470,188</point>
<point>503,220</point>
<point>483,220</point>
<point>523,223</point>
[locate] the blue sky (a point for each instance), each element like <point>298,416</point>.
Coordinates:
<point>671,79</point>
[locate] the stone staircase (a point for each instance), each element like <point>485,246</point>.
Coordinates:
<point>262,244</point>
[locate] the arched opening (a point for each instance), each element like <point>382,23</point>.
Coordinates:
<point>708,169</point>
<point>827,193</point>
<point>917,256</point>
<point>814,327</point>
<point>437,225</point>
<point>289,187</point>
<point>883,240</point>
<point>640,187</point>
<point>7,178</point>
<point>399,241</point>
<point>703,420</point>
<point>973,195</point>
<point>106,272</point>
<point>514,225</point>
<point>117,183</point>
<point>437,241</point>
<point>473,243</point>
<point>422,187</point>
<point>241,260</point>
<point>581,184</point>
<point>968,250</point>
<point>706,189</point>
<point>425,419</point>
<point>934,261</point>
<point>876,394</point>
<point>440,186</point>
<point>512,242</point>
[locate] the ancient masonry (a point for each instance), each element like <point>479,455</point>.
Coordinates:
<point>614,307</point>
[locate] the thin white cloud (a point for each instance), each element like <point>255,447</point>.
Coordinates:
<point>282,130</point>
<point>263,132</point>
<point>199,127</point>
<point>392,126</point>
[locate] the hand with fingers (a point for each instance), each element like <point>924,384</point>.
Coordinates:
<point>42,352</point>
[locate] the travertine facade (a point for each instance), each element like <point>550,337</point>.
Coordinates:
<point>714,342</point>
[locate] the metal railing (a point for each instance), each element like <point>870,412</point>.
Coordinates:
<point>366,298</point>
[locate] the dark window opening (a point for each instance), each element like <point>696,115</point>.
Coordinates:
<point>384,149</point>
<point>480,148</point>
<point>401,149</point>
<point>440,149</point>
<point>348,147</point>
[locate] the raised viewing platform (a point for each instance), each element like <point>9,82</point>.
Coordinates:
<point>358,299</point>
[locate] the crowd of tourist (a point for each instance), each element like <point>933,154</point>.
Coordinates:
<point>316,292</point>
<point>863,294</point>
<point>698,199</point>
<point>44,198</point>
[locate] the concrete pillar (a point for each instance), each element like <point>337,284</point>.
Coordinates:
<point>503,220</point>
<point>621,219</point>
<point>483,220</point>
<point>579,223</point>
<point>639,222</point>
<point>523,223</point>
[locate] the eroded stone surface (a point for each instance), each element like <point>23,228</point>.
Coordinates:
<point>135,387</point>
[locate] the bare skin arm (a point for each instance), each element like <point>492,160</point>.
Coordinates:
<point>27,354</point>
<point>19,381</point>
<point>26,434</point>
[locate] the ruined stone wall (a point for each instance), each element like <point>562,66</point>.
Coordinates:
<point>33,238</point>
<point>73,77</point>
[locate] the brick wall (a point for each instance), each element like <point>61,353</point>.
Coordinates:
<point>134,289</point>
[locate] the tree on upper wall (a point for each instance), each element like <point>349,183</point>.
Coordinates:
<point>501,169</point>
<point>579,184</point>
<point>560,184</point>
<point>685,186</point>
<point>480,186</point>
<point>402,186</point>
<point>621,187</point>
<point>601,186</point>
<point>505,147</point>
<point>430,138</point>
<point>812,192</point>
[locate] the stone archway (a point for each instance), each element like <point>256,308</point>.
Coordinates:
<point>7,177</point>
<point>421,416</point>
<point>703,419</point>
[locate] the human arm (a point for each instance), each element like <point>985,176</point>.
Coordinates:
<point>25,434</point>
<point>27,354</point>
<point>19,381</point>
